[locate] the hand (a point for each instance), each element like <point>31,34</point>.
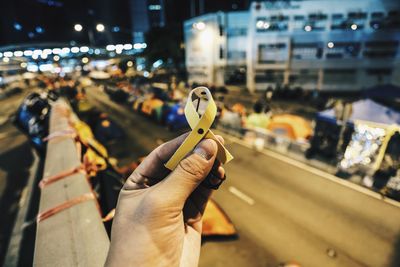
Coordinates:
<point>158,219</point>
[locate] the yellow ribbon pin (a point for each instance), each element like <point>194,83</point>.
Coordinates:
<point>200,125</point>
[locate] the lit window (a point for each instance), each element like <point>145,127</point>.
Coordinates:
<point>154,7</point>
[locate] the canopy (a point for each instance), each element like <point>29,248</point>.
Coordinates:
<point>366,110</point>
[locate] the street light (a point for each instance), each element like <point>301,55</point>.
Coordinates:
<point>78,27</point>
<point>199,25</point>
<point>100,27</point>
<point>308,28</point>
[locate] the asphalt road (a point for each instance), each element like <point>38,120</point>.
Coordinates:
<point>282,212</point>
<point>15,160</point>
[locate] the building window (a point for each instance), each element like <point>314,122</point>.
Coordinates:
<point>381,49</point>
<point>342,50</point>
<point>379,21</point>
<point>339,76</point>
<point>337,16</point>
<point>316,22</point>
<point>306,51</point>
<point>235,75</point>
<point>380,54</point>
<point>236,55</point>
<point>382,44</point>
<point>393,20</point>
<point>303,76</point>
<point>357,15</point>
<point>298,23</point>
<point>338,22</point>
<point>354,21</point>
<point>270,76</point>
<point>377,15</point>
<point>272,53</point>
<point>154,7</point>
<point>382,72</point>
<point>237,32</point>
<point>273,23</point>
<point>298,17</point>
<point>317,16</point>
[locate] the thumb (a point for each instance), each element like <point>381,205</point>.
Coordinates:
<point>190,172</point>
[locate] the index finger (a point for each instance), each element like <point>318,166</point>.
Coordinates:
<point>152,168</point>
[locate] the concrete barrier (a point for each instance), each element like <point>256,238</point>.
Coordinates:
<point>75,236</point>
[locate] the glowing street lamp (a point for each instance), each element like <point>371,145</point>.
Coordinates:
<point>78,27</point>
<point>260,24</point>
<point>199,26</point>
<point>100,27</point>
<point>308,28</point>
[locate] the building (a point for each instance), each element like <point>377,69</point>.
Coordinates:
<point>146,14</point>
<point>332,45</point>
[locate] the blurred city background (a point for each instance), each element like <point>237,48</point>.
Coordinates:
<point>308,97</point>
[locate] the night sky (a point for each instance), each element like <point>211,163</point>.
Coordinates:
<point>39,21</point>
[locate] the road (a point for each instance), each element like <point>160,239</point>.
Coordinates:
<point>15,160</point>
<point>283,212</point>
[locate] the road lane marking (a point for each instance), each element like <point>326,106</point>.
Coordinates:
<point>317,172</point>
<point>241,195</point>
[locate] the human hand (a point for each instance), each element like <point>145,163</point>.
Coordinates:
<point>158,219</point>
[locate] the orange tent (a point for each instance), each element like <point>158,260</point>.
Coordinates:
<point>291,126</point>
<point>216,222</point>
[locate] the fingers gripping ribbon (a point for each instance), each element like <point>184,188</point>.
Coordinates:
<point>200,125</point>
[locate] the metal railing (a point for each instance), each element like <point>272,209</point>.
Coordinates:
<point>264,139</point>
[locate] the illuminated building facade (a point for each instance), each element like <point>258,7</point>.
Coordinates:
<point>332,45</point>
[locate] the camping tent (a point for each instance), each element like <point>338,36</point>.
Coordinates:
<point>365,110</point>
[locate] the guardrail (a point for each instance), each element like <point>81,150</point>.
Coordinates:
<point>76,235</point>
<point>263,139</point>
<point>267,139</point>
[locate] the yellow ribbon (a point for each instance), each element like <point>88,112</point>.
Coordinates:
<point>200,125</point>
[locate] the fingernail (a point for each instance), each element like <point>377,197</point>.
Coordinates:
<point>199,150</point>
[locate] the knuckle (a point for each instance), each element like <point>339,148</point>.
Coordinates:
<point>192,167</point>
